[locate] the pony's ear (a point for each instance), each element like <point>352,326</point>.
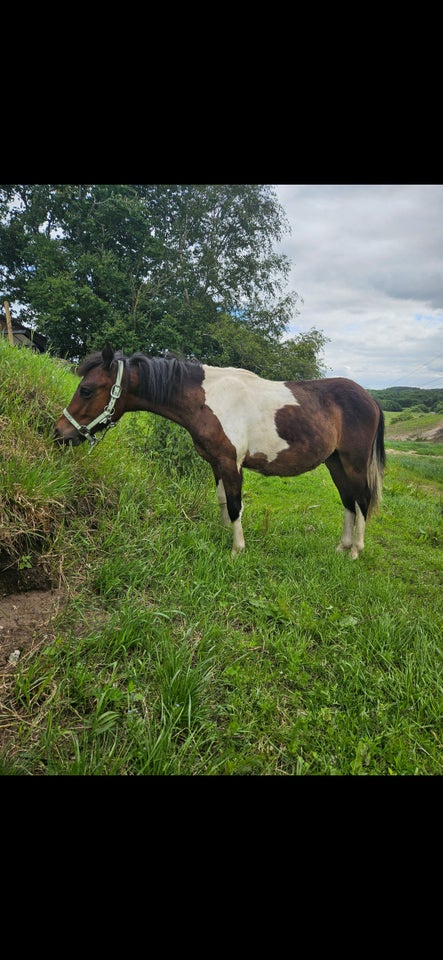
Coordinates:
<point>108,355</point>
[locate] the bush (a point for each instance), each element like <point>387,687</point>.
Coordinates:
<point>171,444</point>
<point>405,415</point>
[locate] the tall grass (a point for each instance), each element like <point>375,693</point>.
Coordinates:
<point>169,658</point>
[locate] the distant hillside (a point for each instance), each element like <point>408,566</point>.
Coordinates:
<point>411,425</point>
<point>401,398</point>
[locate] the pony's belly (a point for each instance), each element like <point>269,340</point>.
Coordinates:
<point>287,463</point>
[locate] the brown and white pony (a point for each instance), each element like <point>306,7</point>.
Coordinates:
<point>237,419</point>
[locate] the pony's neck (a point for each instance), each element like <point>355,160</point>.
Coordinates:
<point>180,402</point>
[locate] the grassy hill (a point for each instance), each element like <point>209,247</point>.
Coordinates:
<point>414,425</point>
<point>132,644</point>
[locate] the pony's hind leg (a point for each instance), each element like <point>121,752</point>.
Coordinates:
<point>348,531</point>
<point>359,533</point>
<point>353,536</point>
<point>354,494</point>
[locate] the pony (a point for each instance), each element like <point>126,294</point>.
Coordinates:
<point>239,420</point>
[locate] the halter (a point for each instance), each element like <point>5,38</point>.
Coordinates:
<point>103,418</point>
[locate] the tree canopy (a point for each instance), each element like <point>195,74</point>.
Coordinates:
<point>184,268</point>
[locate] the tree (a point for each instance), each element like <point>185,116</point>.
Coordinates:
<point>77,258</point>
<point>189,268</point>
<point>231,343</point>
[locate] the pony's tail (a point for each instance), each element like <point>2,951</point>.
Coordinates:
<point>377,464</point>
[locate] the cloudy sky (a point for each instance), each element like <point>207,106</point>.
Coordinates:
<point>367,261</point>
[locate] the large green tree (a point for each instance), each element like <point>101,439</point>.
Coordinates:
<point>189,268</point>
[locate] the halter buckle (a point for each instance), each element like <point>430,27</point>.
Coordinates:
<point>115,391</point>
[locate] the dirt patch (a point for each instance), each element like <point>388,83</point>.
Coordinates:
<point>434,435</point>
<point>25,623</point>
<point>414,453</point>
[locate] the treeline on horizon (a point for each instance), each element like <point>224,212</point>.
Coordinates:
<point>417,399</point>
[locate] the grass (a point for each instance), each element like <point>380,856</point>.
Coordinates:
<point>169,658</point>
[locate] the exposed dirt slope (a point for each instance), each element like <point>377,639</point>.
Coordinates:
<point>434,435</point>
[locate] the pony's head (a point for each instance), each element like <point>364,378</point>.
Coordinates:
<point>95,405</point>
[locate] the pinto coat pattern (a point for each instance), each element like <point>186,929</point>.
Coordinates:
<point>237,419</point>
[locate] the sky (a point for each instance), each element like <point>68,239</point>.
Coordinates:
<point>367,265</point>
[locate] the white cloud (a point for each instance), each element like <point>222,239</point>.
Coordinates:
<point>367,261</point>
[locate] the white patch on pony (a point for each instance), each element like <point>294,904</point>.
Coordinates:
<point>246,405</point>
<point>348,530</point>
<point>359,533</point>
<point>221,497</point>
<point>238,543</point>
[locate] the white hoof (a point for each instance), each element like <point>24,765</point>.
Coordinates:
<point>342,547</point>
<point>236,551</point>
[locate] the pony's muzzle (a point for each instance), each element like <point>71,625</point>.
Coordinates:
<point>68,435</point>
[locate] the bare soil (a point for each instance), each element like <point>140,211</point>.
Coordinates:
<point>26,624</point>
<point>26,619</point>
<point>435,435</point>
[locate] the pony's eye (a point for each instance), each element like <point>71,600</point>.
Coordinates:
<point>86,392</point>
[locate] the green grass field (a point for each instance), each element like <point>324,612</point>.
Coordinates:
<point>170,658</point>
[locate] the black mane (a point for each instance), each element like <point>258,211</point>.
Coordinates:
<point>159,378</point>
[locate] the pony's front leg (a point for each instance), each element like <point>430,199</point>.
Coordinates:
<point>232,507</point>
<point>238,541</point>
<point>221,497</point>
